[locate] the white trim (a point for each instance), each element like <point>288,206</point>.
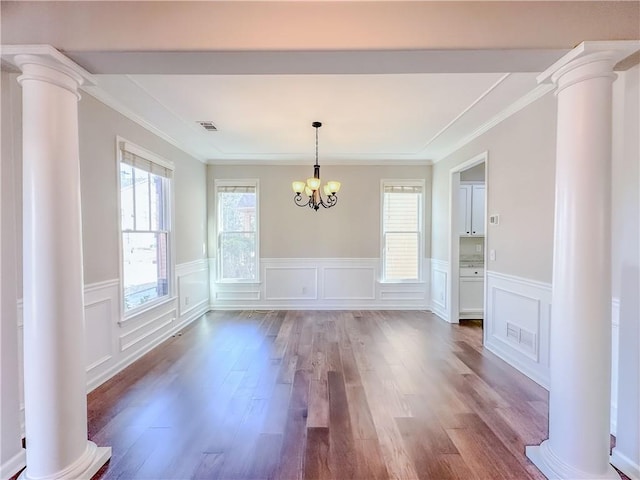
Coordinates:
<point>171,317</point>
<point>453,310</point>
<point>135,314</point>
<point>515,107</point>
<point>245,182</point>
<point>128,146</point>
<point>91,287</point>
<point>625,464</point>
<point>12,466</point>
<point>102,96</point>
<point>123,144</point>
<point>464,112</point>
<point>136,355</point>
<point>358,288</point>
<point>440,269</point>
<point>378,159</point>
<point>521,280</point>
<point>615,362</point>
<point>421,226</point>
<point>525,296</point>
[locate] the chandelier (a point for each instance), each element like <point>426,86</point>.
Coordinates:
<point>311,188</point>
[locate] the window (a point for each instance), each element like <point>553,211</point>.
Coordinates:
<point>237,220</point>
<point>401,230</point>
<point>145,184</point>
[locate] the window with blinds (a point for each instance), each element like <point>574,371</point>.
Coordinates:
<point>237,225</point>
<point>145,221</point>
<point>401,230</point>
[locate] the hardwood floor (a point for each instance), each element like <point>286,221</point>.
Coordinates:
<point>319,395</point>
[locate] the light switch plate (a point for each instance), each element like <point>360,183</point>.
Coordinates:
<point>492,255</point>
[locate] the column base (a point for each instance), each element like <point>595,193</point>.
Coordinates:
<point>555,469</point>
<point>84,468</point>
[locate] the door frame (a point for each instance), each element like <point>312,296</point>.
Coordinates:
<point>454,235</point>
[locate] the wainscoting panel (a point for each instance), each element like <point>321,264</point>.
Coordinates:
<point>20,320</point>
<point>615,345</point>
<point>517,323</point>
<point>290,283</point>
<point>97,320</point>
<point>320,283</point>
<point>349,283</point>
<point>192,280</point>
<point>440,288</point>
<point>113,343</point>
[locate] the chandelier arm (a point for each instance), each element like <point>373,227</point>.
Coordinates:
<point>298,200</point>
<point>331,201</point>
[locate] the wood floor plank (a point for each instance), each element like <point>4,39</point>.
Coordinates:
<point>316,459</point>
<point>319,395</point>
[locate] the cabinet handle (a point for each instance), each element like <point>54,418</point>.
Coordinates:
<point>474,232</point>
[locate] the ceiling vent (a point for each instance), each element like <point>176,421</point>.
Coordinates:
<point>208,126</point>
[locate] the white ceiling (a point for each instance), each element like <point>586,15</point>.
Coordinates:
<point>367,118</point>
<point>391,81</point>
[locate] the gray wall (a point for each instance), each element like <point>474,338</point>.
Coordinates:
<point>98,127</point>
<point>351,229</point>
<point>520,188</point>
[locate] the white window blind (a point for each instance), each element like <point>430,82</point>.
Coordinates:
<point>145,185</point>
<point>402,232</point>
<point>147,161</point>
<point>237,231</point>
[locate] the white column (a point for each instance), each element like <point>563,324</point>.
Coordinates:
<point>54,356</point>
<point>580,363</point>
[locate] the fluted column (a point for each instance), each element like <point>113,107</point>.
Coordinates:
<point>580,363</point>
<point>54,355</point>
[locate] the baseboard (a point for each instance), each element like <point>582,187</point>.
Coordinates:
<point>12,466</point>
<point>124,363</point>
<point>351,307</point>
<point>625,465</point>
<point>516,363</point>
<point>440,312</point>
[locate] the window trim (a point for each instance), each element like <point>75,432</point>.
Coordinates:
<point>123,145</point>
<point>421,223</point>
<point>244,182</point>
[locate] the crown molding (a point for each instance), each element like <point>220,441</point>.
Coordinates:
<point>515,107</point>
<point>103,97</point>
<point>342,162</point>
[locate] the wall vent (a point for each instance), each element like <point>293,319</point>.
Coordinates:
<point>523,338</point>
<point>208,126</point>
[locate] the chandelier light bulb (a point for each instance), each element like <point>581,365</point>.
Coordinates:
<point>298,187</point>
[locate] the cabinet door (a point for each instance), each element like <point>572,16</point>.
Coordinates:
<point>477,210</point>
<point>464,206</point>
<point>471,295</point>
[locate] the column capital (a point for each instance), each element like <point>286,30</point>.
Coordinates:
<point>600,57</point>
<point>45,63</point>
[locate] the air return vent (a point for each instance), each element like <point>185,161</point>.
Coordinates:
<point>208,126</point>
<point>523,338</point>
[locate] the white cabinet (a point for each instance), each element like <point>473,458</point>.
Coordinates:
<point>471,200</point>
<point>471,297</point>
<point>471,293</point>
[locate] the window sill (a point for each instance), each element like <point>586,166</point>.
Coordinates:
<point>238,282</point>
<point>401,282</point>
<point>133,314</point>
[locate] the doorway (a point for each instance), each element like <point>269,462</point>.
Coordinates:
<point>468,237</point>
